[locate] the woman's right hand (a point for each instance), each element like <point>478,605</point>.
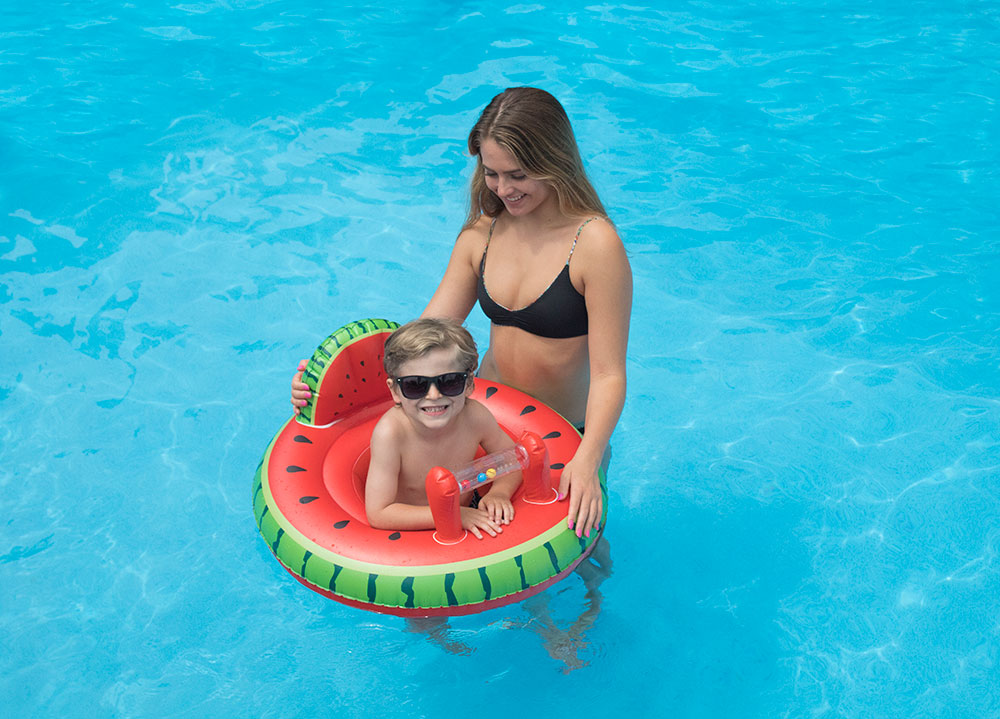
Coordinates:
<point>475,520</point>
<point>300,390</point>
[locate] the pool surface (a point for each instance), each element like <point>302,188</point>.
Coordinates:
<point>805,490</point>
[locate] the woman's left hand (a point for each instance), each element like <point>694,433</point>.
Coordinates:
<point>585,502</point>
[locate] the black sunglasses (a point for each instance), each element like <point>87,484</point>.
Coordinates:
<point>415,386</point>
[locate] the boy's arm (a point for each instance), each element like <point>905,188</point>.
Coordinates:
<point>382,485</point>
<point>497,499</point>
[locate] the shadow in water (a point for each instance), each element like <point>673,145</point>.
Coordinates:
<point>565,645</point>
<point>438,633</point>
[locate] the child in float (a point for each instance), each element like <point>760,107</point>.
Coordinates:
<point>430,364</point>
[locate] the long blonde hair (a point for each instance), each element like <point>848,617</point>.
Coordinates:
<point>532,126</point>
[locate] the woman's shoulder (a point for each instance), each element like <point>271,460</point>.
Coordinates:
<point>473,238</point>
<point>478,230</point>
<point>599,251</point>
<point>597,234</point>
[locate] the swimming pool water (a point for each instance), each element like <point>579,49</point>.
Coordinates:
<point>805,490</point>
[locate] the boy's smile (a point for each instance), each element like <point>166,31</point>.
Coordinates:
<point>434,409</point>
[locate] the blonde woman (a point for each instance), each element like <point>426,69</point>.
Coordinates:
<point>546,265</point>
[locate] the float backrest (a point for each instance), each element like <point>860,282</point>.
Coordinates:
<point>345,372</point>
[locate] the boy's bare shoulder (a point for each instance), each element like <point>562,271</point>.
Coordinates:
<point>388,430</point>
<point>479,415</point>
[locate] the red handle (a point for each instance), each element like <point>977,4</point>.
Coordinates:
<point>442,496</point>
<point>536,478</point>
<point>443,492</point>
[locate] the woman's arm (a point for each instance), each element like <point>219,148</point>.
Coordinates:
<point>607,279</point>
<point>456,294</point>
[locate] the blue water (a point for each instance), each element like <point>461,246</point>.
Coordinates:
<point>805,491</point>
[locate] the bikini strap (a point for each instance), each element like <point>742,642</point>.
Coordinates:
<point>482,261</point>
<point>573,248</point>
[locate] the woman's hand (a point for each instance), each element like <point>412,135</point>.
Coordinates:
<point>475,520</point>
<point>300,390</point>
<point>586,505</point>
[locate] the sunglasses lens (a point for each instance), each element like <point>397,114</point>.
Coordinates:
<point>452,384</point>
<point>414,387</point>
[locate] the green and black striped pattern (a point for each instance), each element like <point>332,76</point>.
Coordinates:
<point>501,575</point>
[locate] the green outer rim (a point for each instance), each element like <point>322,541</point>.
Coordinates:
<point>458,585</point>
<point>321,552</point>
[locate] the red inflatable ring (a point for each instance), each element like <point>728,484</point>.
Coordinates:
<point>308,499</point>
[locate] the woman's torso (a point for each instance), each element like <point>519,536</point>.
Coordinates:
<point>558,312</point>
<point>532,285</point>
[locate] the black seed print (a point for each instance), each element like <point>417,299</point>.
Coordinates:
<point>528,410</point>
<point>557,465</point>
<point>292,468</point>
<point>307,500</point>
<point>490,391</point>
<point>552,435</point>
<point>394,536</point>
<point>341,524</point>
<point>301,438</point>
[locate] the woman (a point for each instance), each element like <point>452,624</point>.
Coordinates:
<point>537,239</point>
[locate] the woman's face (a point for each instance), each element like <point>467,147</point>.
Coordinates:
<point>519,193</point>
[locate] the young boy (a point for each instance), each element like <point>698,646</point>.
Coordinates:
<point>430,365</point>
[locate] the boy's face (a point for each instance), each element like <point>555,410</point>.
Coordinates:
<point>434,410</point>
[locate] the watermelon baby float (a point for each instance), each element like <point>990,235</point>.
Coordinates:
<point>308,498</point>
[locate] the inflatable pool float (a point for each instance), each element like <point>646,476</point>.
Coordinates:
<point>308,498</point>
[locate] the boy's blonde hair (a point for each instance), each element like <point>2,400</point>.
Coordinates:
<point>417,338</point>
<point>532,126</point>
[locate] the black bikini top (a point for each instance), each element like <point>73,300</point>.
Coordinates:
<point>560,311</point>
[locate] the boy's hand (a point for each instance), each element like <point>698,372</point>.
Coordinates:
<point>498,506</point>
<point>475,520</point>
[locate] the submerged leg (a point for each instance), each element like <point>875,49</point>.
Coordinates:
<point>438,632</point>
<point>565,645</point>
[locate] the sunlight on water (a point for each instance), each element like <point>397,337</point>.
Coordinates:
<point>804,487</point>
